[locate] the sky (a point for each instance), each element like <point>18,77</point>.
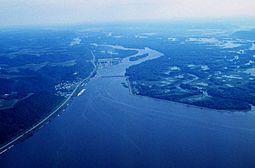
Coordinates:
<point>43,12</point>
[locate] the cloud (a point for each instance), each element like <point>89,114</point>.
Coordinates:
<point>66,11</point>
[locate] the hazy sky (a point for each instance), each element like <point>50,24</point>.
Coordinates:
<point>23,12</point>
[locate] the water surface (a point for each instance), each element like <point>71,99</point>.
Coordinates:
<point>106,126</point>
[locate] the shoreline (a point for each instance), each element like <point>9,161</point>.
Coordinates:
<point>78,88</point>
<point>108,109</point>
<point>130,87</point>
<point>5,147</point>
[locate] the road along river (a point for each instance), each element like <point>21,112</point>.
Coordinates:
<point>108,127</point>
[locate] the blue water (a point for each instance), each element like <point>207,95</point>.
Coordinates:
<point>108,127</point>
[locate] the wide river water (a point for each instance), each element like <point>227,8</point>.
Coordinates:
<point>108,127</point>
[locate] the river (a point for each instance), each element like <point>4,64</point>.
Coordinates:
<point>106,126</point>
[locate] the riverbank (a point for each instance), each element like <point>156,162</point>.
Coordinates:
<point>106,123</point>
<point>61,107</point>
